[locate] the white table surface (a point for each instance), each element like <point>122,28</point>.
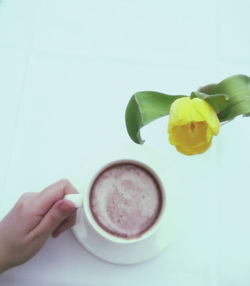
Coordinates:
<point>68,69</point>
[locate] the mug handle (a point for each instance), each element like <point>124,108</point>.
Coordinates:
<point>76,199</point>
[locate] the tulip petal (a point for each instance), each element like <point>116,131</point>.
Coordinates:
<point>180,112</point>
<point>193,151</point>
<point>210,134</point>
<point>208,114</point>
<point>192,134</point>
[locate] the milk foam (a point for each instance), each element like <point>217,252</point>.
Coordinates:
<point>125,200</point>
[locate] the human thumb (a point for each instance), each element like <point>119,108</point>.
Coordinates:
<point>60,211</point>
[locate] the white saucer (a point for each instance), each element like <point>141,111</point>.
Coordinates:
<point>143,250</point>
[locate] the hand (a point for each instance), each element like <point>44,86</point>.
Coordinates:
<point>32,220</point>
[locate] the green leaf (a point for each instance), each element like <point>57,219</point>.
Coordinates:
<point>198,94</point>
<point>207,88</point>
<point>143,108</point>
<point>217,101</point>
<point>237,88</point>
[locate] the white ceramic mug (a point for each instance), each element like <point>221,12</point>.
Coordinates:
<point>109,247</point>
<point>83,201</point>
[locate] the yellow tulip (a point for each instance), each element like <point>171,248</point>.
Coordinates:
<point>192,125</point>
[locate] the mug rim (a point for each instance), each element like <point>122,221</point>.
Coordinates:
<point>101,231</point>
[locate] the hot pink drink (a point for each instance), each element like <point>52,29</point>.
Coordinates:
<point>126,199</point>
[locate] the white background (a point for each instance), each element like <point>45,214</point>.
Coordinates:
<point>67,71</point>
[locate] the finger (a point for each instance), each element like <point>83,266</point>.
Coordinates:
<point>60,211</point>
<point>53,193</point>
<point>66,224</point>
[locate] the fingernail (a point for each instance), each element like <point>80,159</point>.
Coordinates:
<point>66,209</point>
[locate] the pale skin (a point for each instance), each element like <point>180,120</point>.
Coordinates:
<point>34,218</point>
